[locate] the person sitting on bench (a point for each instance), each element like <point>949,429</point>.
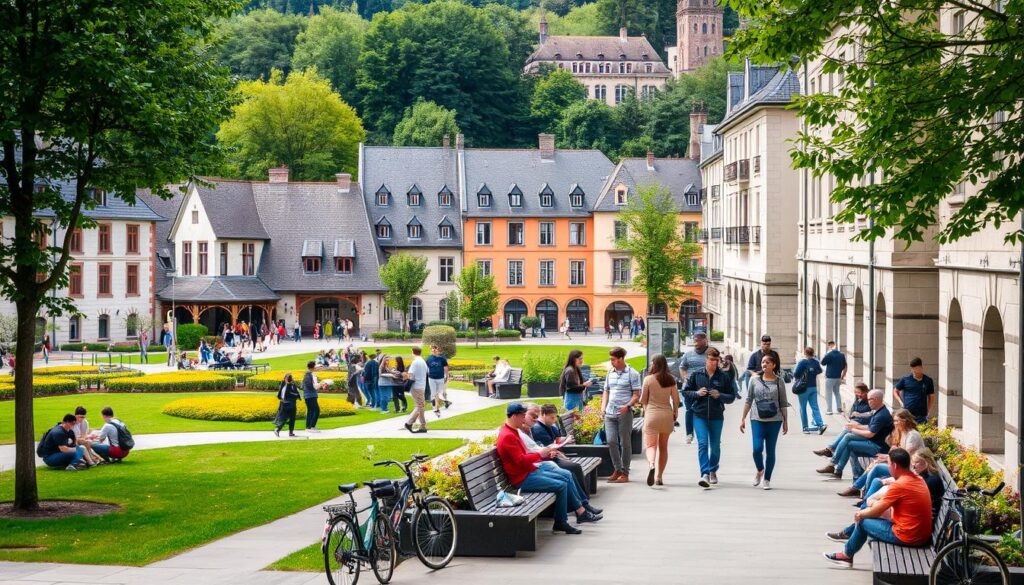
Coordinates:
<point>566,467</point>
<point>502,371</point>
<point>525,472</point>
<point>911,504</point>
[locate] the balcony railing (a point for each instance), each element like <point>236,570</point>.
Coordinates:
<point>743,234</point>
<point>757,164</point>
<point>744,170</point>
<point>730,172</point>
<point>714,191</point>
<point>715,274</point>
<point>755,234</point>
<point>716,233</point>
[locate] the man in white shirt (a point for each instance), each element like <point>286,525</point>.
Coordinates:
<point>418,374</point>
<point>108,445</point>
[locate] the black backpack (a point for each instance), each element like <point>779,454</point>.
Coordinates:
<point>42,444</point>
<point>124,436</point>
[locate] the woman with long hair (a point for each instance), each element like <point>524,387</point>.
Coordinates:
<point>571,385</point>
<point>288,395</point>
<point>659,397</point>
<point>904,435</point>
<point>766,404</point>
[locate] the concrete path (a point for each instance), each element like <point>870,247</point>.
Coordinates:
<point>679,534</point>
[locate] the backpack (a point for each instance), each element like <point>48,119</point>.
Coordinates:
<point>42,444</point>
<point>124,436</point>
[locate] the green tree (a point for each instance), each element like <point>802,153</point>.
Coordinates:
<point>513,26</point>
<point>404,275</point>
<point>253,44</point>
<point>579,21</point>
<point>638,16</point>
<point>479,297</point>
<point>425,124</point>
<point>332,42</point>
<point>661,254</point>
<point>552,94</point>
<point>447,52</point>
<point>589,124</point>
<point>928,111</point>
<point>299,122</point>
<point>669,114</point>
<point>110,96</point>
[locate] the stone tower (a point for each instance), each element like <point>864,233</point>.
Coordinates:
<point>698,33</point>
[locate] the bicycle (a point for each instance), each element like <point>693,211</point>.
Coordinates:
<point>967,559</point>
<point>348,544</point>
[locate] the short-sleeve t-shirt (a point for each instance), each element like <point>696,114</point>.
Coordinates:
<point>914,394</point>
<point>620,386</point>
<point>881,425</point>
<point>834,362</point>
<point>436,365</point>
<point>911,504</point>
<point>418,370</point>
<point>57,438</point>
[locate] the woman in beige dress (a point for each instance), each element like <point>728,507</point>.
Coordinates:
<point>660,399</point>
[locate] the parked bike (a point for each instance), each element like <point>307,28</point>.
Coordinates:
<point>968,560</point>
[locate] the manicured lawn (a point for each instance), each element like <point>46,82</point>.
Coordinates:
<point>115,358</point>
<point>485,353</point>
<point>142,413</point>
<point>482,420</point>
<point>310,559</point>
<point>638,362</point>
<point>176,499</point>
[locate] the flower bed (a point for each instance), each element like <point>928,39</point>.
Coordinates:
<point>441,477</point>
<point>100,380</point>
<point>590,422</point>
<point>65,370</point>
<point>173,382</point>
<point>41,386</point>
<point>247,408</point>
<point>272,380</point>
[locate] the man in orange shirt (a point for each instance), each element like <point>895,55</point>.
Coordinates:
<point>911,505</point>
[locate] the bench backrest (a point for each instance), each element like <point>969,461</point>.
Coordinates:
<point>515,376</point>
<point>942,525</point>
<point>568,422</point>
<point>483,477</point>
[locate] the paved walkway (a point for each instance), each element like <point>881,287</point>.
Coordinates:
<point>676,534</point>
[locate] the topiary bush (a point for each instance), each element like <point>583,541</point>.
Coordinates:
<point>72,346</point>
<point>247,408</point>
<point>190,334</point>
<point>173,382</point>
<point>453,324</point>
<point>508,333</point>
<point>531,322</point>
<point>272,380</point>
<point>442,336</point>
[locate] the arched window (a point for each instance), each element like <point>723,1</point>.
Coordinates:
<point>104,328</point>
<point>416,309</point>
<point>704,28</point>
<point>515,310</point>
<point>132,325</point>
<point>75,329</point>
<point>712,28</point>
<point>705,50</point>
<point>442,309</point>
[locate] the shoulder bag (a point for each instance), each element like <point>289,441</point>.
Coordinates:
<point>766,408</point>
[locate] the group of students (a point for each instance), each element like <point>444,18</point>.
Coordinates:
<point>72,445</point>
<point>340,328</point>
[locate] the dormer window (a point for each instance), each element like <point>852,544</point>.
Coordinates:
<point>620,195</point>
<point>415,196</point>
<point>515,197</point>
<point>692,199</point>
<point>579,55</point>
<point>445,229</point>
<point>576,197</point>
<point>415,229</point>
<point>344,256</point>
<point>98,196</point>
<point>444,197</point>
<point>384,228</point>
<point>558,56</point>
<point>648,67</point>
<point>547,197</point>
<point>312,252</point>
<point>483,197</point>
<point>383,196</point>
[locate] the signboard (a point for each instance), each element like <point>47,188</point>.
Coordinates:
<point>663,337</point>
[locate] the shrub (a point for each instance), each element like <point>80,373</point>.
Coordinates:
<point>65,370</point>
<point>173,382</point>
<point>441,477</point>
<point>190,334</point>
<point>1009,547</point>
<point>453,324</point>
<point>385,335</point>
<point>531,322</point>
<point>640,338</point>
<point>99,380</point>
<point>508,333</point>
<point>210,340</point>
<point>124,347</point>
<point>157,348</point>
<point>442,336</point>
<point>247,408</point>
<point>717,335</point>
<point>41,386</point>
<point>97,346</point>
<point>272,380</point>
<point>590,422</point>
<point>542,367</point>
<point>72,346</point>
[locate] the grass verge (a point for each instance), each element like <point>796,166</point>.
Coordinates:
<point>310,559</point>
<point>176,499</point>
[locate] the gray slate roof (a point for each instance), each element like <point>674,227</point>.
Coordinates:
<point>768,86</point>
<point>711,143</point>
<point>399,170</point>
<point>589,48</point>
<point>210,289</point>
<point>500,169</point>
<point>167,208</point>
<point>679,175</point>
<point>230,208</point>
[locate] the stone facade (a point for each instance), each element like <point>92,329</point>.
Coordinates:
<point>698,34</point>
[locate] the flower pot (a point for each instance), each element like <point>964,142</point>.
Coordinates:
<point>481,535</point>
<point>542,389</point>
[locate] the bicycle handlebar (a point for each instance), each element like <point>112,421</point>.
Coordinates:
<point>973,489</point>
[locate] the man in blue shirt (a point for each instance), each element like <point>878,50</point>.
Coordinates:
<point>835,372</point>
<point>916,391</point>
<point>621,392</point>
<point>863,440</point>
<point>437,372</point>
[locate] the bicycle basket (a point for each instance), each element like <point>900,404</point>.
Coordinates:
<point>339,509</point>
<point>972,517</point>
<point>385,491</point>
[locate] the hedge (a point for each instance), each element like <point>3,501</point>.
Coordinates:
<point>71,346</point>
<point>173,382</point>
<point>717,335</point>
<point>247,408</point>
<point>157,348</point>
<point>484,334</point>
<point>453,324</point>
<point>272,380</point>
<point>124,347</point>
<point>508,333</point>
<point>394,335</point>
<point>542,367</point>
<point>189,335</point>
<point>42,386</point>
<point>100,380</point>
<point>65,370</point>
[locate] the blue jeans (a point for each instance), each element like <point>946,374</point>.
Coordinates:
<point>766,435</point>
<point>877,528</point>
<point>60,460</point>
<point>810,398</point>
<point>575,489</point>
<point>367,396</point>
<point>312,412</point>
<point>688,416</point>
<point>839,438</point>
<point>879,471</point>
<point>541,481</point>
<point>575,400</point>
<point>709,443</point>
<point>854,446</point>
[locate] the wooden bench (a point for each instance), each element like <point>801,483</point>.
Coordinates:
<point>893,564</point>
<point>513,388</point>
<point>597,453</point>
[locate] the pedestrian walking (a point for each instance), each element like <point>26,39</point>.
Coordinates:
<point>437,365</point>
<point>621,391</point>
<point>144,346</point>
<point>310,387</point>
<point>316,330</point>
<point>46,349</point>
<point>693,360</point>
<point>916,391</point>
<point>610,328</point>
<point>398,390</point>
<point>728,366</point>
<point>571,386</point>
<point>288,395</point>
<point>566,326</point>
<point>805,386</point>
<point>766,405</point>
<point>168,341</point>
<point>298,331</point>
<point>660,399</point>
<point>353,371</point>
<point>543,326</point>
<point>328,329</point>
<point>834,362</point>
<point>709,390</point>
<point>371,375</point>
<point>417,373</point>
<point>754,363</point>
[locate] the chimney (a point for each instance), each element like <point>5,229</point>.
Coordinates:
<point>698,117</point>
<point>622,34</point>
<point>460,141</point>
<point>344,183</point>
<point>650,160</point>
<point>279,175</point>
<point>446,141</point>
<point>547,146</point>
<point>543,28</point>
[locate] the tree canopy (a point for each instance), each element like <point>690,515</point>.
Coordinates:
<point>253,44</point>
<point>105,96</point>
<point>552,94</point>
<point>924,109</point>
<point>404,275</point>
<point>425,124</point>
<point>297,121</point>
<point>479,296</point>
<point>332,42</point>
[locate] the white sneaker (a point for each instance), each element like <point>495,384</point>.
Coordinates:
<point>704,482</point>
<point>757,478</point>
<point>312,430</point>
<point>689,439</point>
<point>828,412</point>
<point>766,485</point>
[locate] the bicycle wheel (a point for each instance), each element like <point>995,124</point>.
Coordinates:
<point>382,556</point>
<point>978,564</point>
<point>339,548</point>
<point>434,532</point>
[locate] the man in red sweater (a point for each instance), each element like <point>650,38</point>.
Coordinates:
<point>524,470</point>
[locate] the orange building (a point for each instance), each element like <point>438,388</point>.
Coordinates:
<point>528,222</point>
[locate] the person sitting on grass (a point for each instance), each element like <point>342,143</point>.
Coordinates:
<point>525,472</point>
<point>502,372</point>
<point>911,504</point>
<point>85,437</point>
<point>58,447</point>
<point>108,443</point>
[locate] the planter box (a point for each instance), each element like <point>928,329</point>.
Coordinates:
<point>482,536</point>
<point>605,469</point>
<point>542,389</point>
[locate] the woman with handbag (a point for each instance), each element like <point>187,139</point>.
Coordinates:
<point>805,386</point>
<point>766,404</point>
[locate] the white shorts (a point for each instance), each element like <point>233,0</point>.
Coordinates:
<point>438,388</point>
